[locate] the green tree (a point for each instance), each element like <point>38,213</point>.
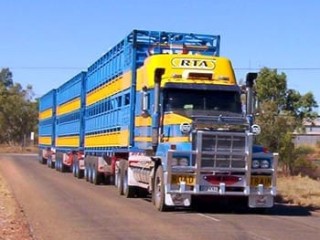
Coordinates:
<point>271,86</point>
<point>281,111</point>
<point>18,112</point>
<point>6,77</point>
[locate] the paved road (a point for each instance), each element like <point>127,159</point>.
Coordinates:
<point>59,206</point>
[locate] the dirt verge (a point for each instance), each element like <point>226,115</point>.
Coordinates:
<point>13,222</point>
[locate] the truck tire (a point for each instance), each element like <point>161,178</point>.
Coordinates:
<point>42,160</point>
<point>50,163</point>
<point>128,191</point>
<point>79,172</point>
<point>109,180</point>
<point>120,176</point>
<point>158,193</point>
<point>90,173</point>
<point>86,172</point>
<point>63,167</point>
<point>74,167</point>
<point>96,177</point>
<point>57,164</point>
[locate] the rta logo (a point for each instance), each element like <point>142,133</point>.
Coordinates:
<point>193,63</point>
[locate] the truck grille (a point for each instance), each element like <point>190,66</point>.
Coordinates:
<point>221,149</point>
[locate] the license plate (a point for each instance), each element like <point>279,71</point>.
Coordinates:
<point>189,180</point>
<point>256,180</point>
<point>209,189</point>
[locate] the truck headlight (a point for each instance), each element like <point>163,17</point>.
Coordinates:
<point>174,162</point>
<point>184,162</point>
<point>255,163</point>
<point>265,164</point>
<point>180,161</point>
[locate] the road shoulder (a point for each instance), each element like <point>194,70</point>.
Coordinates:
<point>13,222</point>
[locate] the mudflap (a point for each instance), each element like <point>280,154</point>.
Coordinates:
<point>178,199</point>
<point>261,201</point>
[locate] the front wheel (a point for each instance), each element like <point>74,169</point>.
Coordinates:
<point>120,177</point>
<point>158,191</point>
<point>128,191</point>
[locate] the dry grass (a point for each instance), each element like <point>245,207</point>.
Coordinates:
<point>299,190</point>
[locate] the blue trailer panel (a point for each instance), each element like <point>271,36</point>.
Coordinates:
<point>69,121</point>
<point>47,119</point>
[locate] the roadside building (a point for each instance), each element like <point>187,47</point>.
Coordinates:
<point>311,136</point>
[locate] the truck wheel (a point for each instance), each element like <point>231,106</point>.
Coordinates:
<point>74,167</point>
<point>129,191</point>
<point>48,162</point>
<point>57,164</point>
<point>90,173</point>
<point>119,182</point>
<point>52,164</point>
<point>79,172</point>
<point>109,180</point>
<point>120,177</point>
<point>43,160</point>
<point>87,173</point>
<point>63,167</point>
<point>158,191</point>
<point>96,178</point>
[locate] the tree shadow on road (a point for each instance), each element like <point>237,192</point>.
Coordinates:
<point>284,209</point>
<point>230,207</point>
<point>227,206</point>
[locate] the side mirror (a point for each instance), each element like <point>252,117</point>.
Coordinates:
<point>251,76</point>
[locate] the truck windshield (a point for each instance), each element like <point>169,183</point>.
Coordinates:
<point>202,102</point>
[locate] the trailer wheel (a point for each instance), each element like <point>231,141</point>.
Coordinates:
<point>109,180</point>
<point>90,174</point>
<point>57,164</point>
<point>79,172</point>
<point>63,167</point>
<point>43,160</point>
<point>50,163</point>
<point>74,166</point>
<point>86,172</point>
<point>158,193</point>
<point>96,178</point>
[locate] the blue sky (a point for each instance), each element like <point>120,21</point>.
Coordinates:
<point>45,43</point>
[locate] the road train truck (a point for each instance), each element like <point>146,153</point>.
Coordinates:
<point>160,113</point>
